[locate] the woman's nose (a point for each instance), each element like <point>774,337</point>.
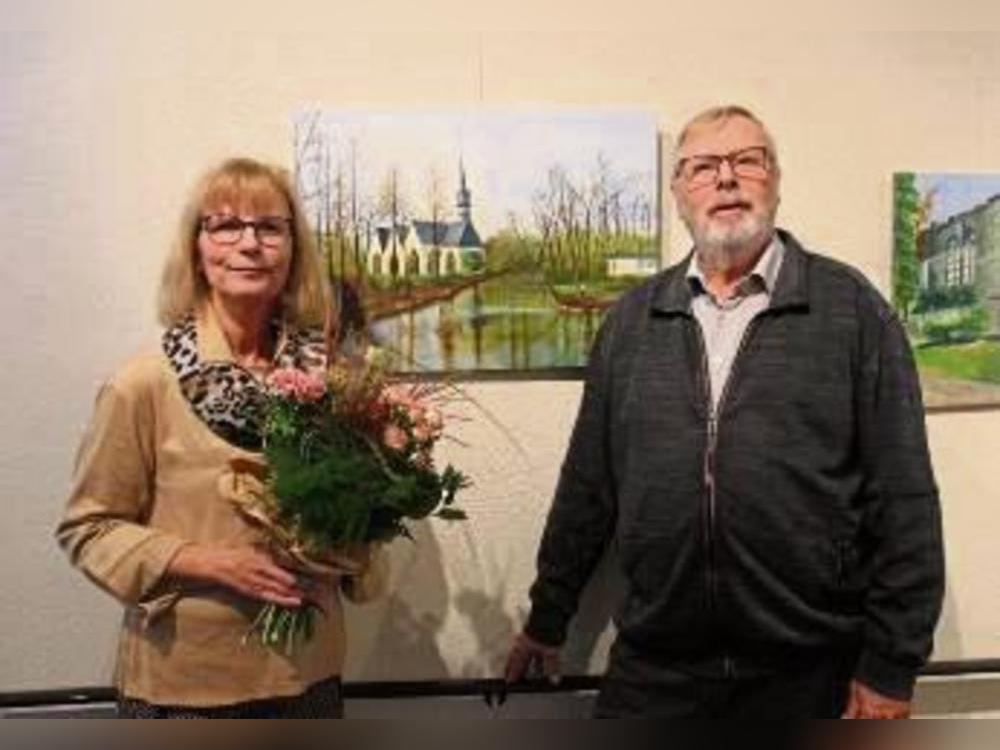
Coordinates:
<point>248,237</point>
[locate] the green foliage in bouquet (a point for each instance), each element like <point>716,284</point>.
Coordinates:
<point>336,482</point>
<point>349,462</point>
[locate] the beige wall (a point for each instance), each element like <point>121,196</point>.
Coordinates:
<point>110,109</point>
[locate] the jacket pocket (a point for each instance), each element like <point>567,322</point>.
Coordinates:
<point>847,588</point>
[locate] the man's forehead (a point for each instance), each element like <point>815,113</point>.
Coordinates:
<point>722,136</point>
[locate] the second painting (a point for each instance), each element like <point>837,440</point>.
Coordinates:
<point>946,283</point>
<point>484,242</point>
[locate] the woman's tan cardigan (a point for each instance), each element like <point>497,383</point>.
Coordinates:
<point>151,477</point>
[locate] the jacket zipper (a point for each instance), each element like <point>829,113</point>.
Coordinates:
<point>708,476</point>
<point>712,430</point>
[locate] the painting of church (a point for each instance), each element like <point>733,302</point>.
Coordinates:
<point>427,248</point>
<point>483,241</point>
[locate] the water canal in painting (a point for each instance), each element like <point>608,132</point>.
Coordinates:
<point>505,323</point>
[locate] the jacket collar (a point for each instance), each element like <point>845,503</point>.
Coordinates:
<point>671,293</point>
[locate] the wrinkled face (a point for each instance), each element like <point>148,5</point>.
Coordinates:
<point>727,204</point>
<point>244,263</point>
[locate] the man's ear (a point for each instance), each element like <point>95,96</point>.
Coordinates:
<point>674,187</point>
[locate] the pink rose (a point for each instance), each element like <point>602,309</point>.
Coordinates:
<point>294,383</point>
<point>395,437</point>
<point>396,394</point>
<point>415,412</point>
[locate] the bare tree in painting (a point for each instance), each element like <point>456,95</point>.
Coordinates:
<point>583,221</point>
<point>356,209</point>
<point>436,208</point>
<point>352,211</point>
<point>392,208</point>
<point>339,216</point>
<point>312,171</point>
<point>543,221</point>
<point>365,230</point>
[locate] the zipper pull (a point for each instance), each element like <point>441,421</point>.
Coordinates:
<point>728,668</point>
<point>710,450</point>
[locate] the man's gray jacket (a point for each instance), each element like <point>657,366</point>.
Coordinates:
<point>803,520</point>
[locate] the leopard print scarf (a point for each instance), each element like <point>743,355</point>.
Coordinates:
<point>224,395</point>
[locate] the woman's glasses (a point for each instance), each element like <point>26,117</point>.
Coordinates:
<point>272,231</point>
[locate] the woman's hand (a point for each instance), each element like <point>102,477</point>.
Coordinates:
<point>247,570</point>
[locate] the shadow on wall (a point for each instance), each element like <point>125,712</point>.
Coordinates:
<point>585,650</point>
<point>493,628</point>
<point>484,607</point>
<point>948,636</point>
<point>396,638</point>
<point>588,639</point>
<point>591,632</point>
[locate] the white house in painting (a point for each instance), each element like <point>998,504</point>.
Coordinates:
<point>632,265</point>
<point>418,247</point>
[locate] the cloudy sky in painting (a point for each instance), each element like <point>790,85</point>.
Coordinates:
<point>957,192</point>
<point>507,154</point>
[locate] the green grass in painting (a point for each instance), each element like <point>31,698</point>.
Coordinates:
<point>612,286</point>
<point>979,360</point>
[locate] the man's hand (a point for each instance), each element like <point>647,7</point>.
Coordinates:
<point>865,703</point>
<point>530,658</point>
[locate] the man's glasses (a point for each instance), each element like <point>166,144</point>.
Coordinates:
<point>701,170</point>
<point>272,231</point>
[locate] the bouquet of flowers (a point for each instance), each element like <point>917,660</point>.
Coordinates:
<point>349,462</point>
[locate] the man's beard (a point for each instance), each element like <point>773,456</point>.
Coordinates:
<point>724,246</point>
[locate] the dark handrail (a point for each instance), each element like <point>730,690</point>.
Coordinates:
<point>489,690</point>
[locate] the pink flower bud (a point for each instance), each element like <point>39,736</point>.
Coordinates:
<point>395,437</point>
<point>434,420</point>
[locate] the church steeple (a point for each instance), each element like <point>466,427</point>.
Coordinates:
<point>464,198</point>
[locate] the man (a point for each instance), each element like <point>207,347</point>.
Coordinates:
<point>751,435</point>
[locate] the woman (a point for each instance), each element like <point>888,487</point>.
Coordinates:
<point>149,519</point>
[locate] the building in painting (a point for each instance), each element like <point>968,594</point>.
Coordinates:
<point>632,265</point>
<point>960,263</point>
<point>428,248</point>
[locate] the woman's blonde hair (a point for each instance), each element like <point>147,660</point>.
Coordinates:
<point>243,182</point>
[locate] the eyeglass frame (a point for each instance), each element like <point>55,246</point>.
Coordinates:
<point>730,159</point>
<point>286,221</point>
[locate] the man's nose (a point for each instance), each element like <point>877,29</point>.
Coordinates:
<point>725,177</point>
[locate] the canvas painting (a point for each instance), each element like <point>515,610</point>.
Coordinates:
<point>946,283</point>
<point>483,242</point>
